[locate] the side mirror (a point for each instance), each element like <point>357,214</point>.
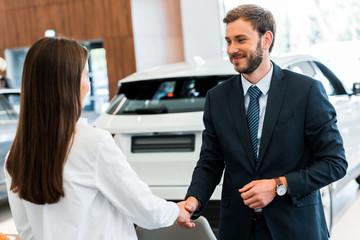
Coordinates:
<point>356,88</point>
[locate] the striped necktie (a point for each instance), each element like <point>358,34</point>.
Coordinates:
<point>253,117</point>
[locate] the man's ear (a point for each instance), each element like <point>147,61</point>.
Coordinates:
<point>267,39</point>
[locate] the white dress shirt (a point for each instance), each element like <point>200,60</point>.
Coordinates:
<point>103,197</point>
<point>264,86</point>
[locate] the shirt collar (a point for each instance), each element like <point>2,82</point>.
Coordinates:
<point>263,84</point>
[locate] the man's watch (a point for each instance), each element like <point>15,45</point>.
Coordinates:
<point>280,187</point>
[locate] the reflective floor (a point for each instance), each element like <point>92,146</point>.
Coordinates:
<point>346,225</point>
<point>6,222</point>
<point>347,205</point>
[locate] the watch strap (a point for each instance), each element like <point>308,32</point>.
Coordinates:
<point>278,181</point>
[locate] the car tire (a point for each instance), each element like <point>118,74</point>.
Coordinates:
<point>326,198</point>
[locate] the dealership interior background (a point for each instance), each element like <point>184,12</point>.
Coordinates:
<point>126,36</point>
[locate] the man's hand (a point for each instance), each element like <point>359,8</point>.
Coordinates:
<point>258,194</point>
<point>191,205</point>
<point>187,208</point>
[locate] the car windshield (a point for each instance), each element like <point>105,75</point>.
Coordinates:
<point>170,95</point>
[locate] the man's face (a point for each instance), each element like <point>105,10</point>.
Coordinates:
<point>244,46</point>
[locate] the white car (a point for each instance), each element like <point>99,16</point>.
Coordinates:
<point>156,119</point>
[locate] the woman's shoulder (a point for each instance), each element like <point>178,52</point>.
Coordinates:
<point>87,143</point>
<point>91,130</point>
<point>89,134</point>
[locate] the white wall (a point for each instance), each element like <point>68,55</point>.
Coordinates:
<point>202,29</point>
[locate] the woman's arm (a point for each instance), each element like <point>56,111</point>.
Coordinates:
<point>123,188</point>
<point>18,212</point>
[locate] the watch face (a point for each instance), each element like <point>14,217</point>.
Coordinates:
<point>281,190</point>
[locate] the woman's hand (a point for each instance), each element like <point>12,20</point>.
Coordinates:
<point>183,219</point>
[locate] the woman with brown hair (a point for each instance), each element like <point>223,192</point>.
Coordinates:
<point>65,179</point>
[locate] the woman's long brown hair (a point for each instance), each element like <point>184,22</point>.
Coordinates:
<point>50,107</point>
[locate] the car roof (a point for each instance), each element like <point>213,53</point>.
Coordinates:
<point>205,68</point>
<point>9,90</point>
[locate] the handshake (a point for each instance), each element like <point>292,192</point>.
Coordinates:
<point>187,208</point>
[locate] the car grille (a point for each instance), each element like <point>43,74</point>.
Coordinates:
<point>163,143</point>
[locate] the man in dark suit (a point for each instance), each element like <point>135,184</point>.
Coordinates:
<point>274,134</point>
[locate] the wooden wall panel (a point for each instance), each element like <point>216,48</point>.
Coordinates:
<point>97,28</point>
<point>22,3</point>
<point>2,53</point>
<point>2,5</point>
<point>60,1</point>
<point>119,48</point>
<point>121,24</point>
<point>63,20</point>
<point>173,27</point>
<point>78,23</point>
<point>3,29</point>
<point>8,5</point>
<point>92,29</point>
<point>19,29</point>
<point>177,54</point>
<point>22,22</point>
<point>41,2</point>
<point>24,27</point>
<point>43,21</point>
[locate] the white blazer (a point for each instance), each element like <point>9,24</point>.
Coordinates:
<point>104,197</point>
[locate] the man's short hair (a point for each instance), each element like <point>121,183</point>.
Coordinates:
<point>261,19</point>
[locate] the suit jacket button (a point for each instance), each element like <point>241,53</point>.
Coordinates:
<point>257,177</point>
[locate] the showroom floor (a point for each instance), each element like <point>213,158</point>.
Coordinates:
<point>346,227</point>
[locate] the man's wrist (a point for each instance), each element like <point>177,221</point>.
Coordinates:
<point>284,181</point>
<point>281,186</point>
<point>194,200</point>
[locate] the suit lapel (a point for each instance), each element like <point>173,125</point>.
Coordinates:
<point>273,107</point>
<point>237,107</point>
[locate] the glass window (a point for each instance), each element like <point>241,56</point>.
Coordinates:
<point>97,99</point>
<point>9,106</point>
<point>15,62</point>
<point>311,70</point>
<point>99,83</point>
<point>14,101</point>
<point>171,95</point>
<point>3,112</point>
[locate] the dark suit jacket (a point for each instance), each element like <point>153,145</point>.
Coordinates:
<point>300,140</point>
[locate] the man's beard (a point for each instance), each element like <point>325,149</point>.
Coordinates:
<point>254,60</point>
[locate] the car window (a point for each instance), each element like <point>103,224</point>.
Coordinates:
<point>307,68</point>
<point>14,101</point>
<point>319,71</point>
<point>9,106</point>
<point>3,110</point>
<point>335,82</point>
<point>172,95</point>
